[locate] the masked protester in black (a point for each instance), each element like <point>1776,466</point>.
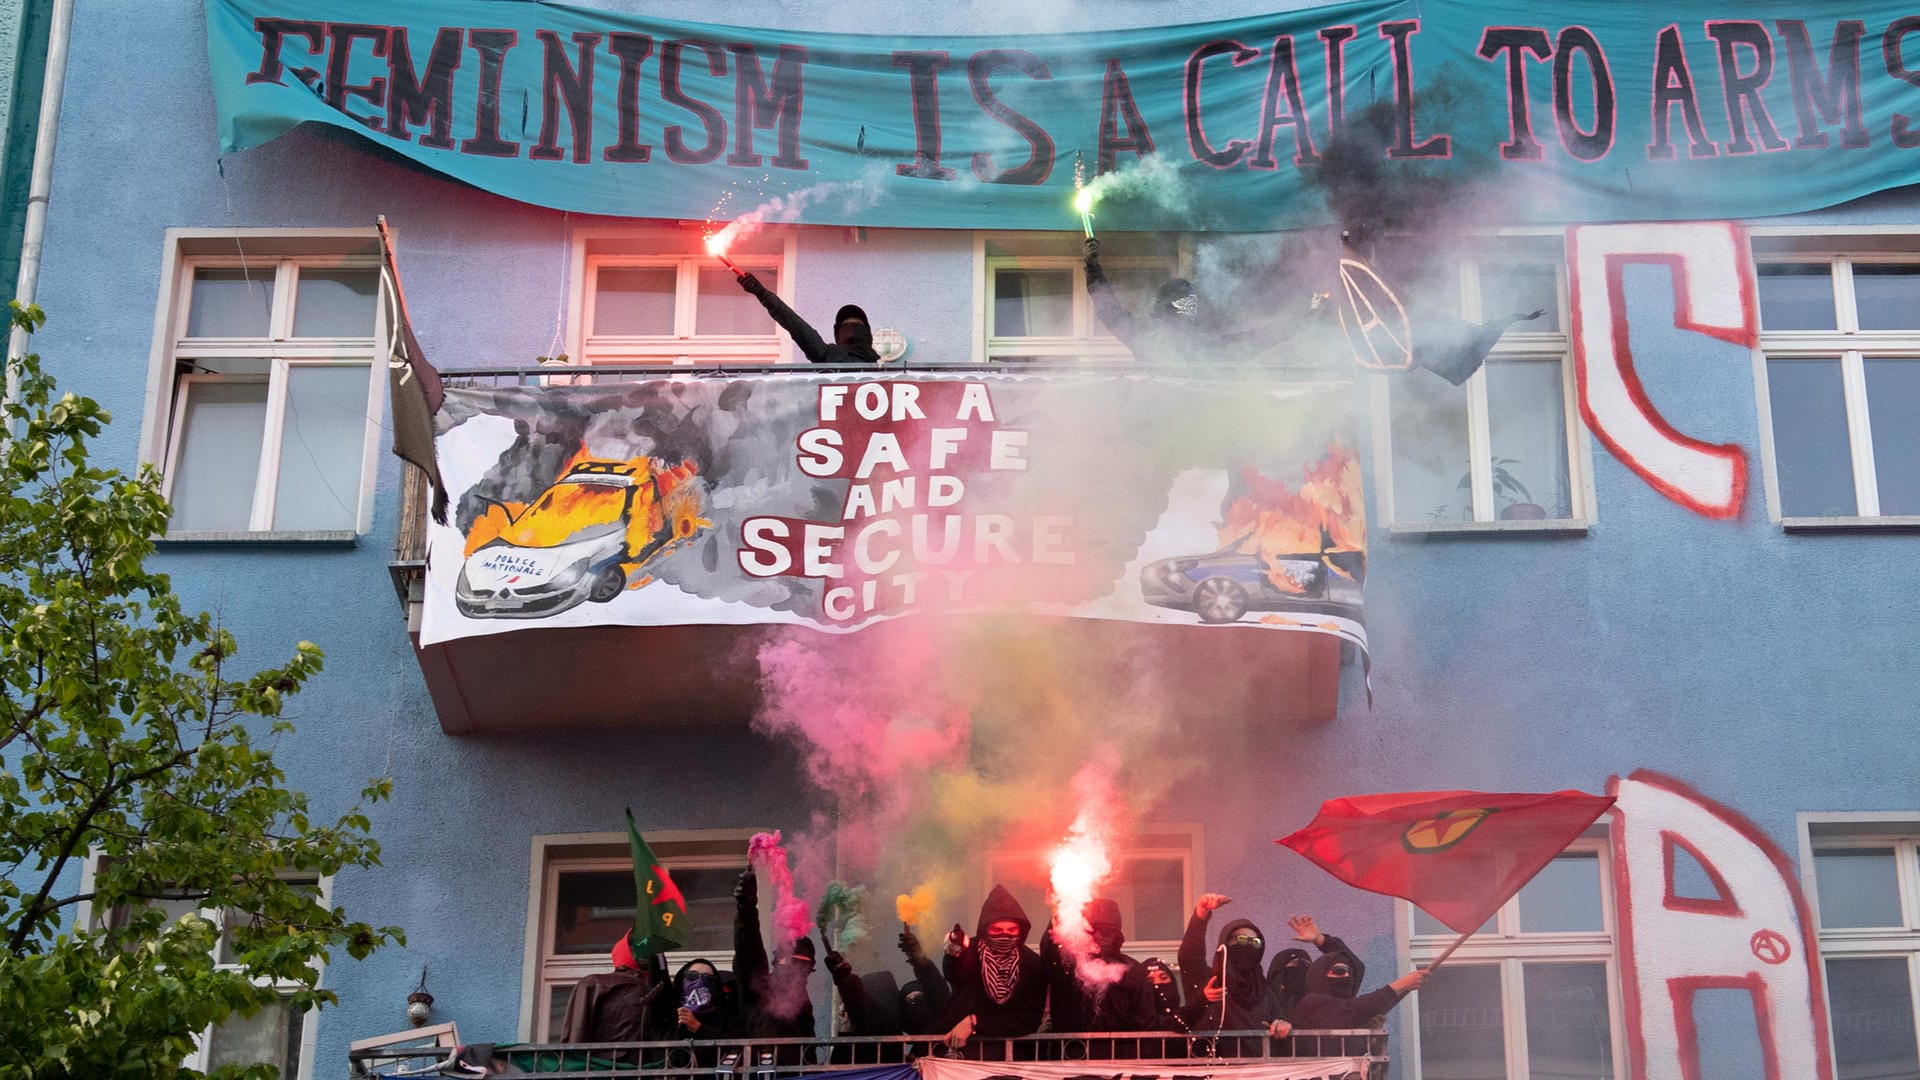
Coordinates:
<point>1333,1001</point>
<point>1180,327</point>
<point>1287,979</point>
<point>924,999</point>
<point>852,332</point>
<point>1123,1004</point>
<point>871,1001</point>
<point>706,1002</point>
<point>1169,1014</point>
<point>999,984</point>
<point>1229,984</point>
<point>773,996</point>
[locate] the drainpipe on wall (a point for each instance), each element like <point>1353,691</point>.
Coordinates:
<point>42,183</point>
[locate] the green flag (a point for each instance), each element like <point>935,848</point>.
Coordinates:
<point>660,912</point>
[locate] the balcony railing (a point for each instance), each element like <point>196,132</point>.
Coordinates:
<point>767,1059</point>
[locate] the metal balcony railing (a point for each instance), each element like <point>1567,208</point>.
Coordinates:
<point>770,1059</point>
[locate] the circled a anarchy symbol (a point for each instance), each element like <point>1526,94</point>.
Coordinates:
<point>1770,946</point>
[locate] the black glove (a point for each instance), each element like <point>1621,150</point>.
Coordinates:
<point>746,891</point>
<point>752,285</point>
<point>910,944</point>
<point>837,965</point>
<point>1092,250</point>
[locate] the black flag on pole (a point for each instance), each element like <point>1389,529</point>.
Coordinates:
<point>414,385</point>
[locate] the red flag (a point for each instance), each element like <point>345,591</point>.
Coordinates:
<point>1459,855</point>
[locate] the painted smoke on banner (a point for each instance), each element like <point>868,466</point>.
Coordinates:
<point>832,503</point>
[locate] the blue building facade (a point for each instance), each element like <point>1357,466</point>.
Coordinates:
<point>1539,614</point>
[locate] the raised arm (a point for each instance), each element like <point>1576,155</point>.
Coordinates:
<point>811,344</point>
<point>749,952</point>
<point>1106,303</point>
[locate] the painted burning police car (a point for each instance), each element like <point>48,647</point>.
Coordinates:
<point>582,540</point>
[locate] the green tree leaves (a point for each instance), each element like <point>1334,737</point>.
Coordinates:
<point>127,742</point>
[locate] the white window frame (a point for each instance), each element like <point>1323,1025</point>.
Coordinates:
<point>1854,347</point>
<point>282,254</point>
<point>542,970</point>
<point>1088,341</point>
<point>1193,871</point>
<point>85,914</point>
<point>1510,949</point>
<point>1515,345</point>
<point>681,247</point>
<point>1835,831</point>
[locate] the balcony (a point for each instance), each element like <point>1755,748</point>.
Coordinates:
<point>530,679</point>
<point>1321,1055</point>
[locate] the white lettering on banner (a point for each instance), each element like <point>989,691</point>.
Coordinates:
<point>1713,294</point>
<point>1756,936</point>
<point>932,1068</point>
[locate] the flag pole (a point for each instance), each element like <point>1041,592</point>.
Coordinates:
<point>1457,942</point>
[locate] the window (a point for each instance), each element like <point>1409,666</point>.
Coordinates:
<point>1153,882</point>
<point>656,296</point>
<point>1532,995</point>
<point>1866,878</point>
<point>584,902</point>
<point>1034,293</point>
<point>1839,371</point>
<point>1506,446</point>
<point>264,401</point>
<point>278,1035</point>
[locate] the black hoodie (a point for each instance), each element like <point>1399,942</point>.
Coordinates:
<point>719,1013</point>
<point>767,991</point>
<point>1330,1006</point>
<point>1018,1015</point>
<point>812,345</point>
<point>1245,1006</point>
<point>1126,1004</point>
<point>1287,979</point>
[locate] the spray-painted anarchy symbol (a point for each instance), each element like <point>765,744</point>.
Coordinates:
<point>1770,946</point>
<point>1374,319</point>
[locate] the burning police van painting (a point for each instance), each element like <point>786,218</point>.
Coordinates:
<point>833,501</point>
<point>586,538</point>
<point>1301,552</point>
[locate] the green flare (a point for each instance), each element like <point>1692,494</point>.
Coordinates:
<point>841,914</point>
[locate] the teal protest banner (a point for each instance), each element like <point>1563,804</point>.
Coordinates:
<point>1703,111</point>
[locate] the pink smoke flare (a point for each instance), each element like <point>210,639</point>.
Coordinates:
<point>792,916</point>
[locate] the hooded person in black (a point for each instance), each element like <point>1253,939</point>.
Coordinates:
<point>1125,1003</point>
<point>1237,994</point>
<point>773,996</point>
<point>924,999</point>
<point>999,984</point>
<point>1333,1001</point>
<point>706,1002</point>
<point>1169,1014</point>
<point>871,1001</point>
<point>1287,980</point>
<point>1230,982</point>
<point>1179,327</point>
<point>852,332</point>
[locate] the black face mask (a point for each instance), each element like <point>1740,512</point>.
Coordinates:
<point>854,336</point>
<point>1243,955</point>
<point>916,1014</point>
<point>1340,981</point>
<point>699,993</point>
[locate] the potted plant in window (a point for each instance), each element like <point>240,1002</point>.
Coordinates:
<point>1516,502</point>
